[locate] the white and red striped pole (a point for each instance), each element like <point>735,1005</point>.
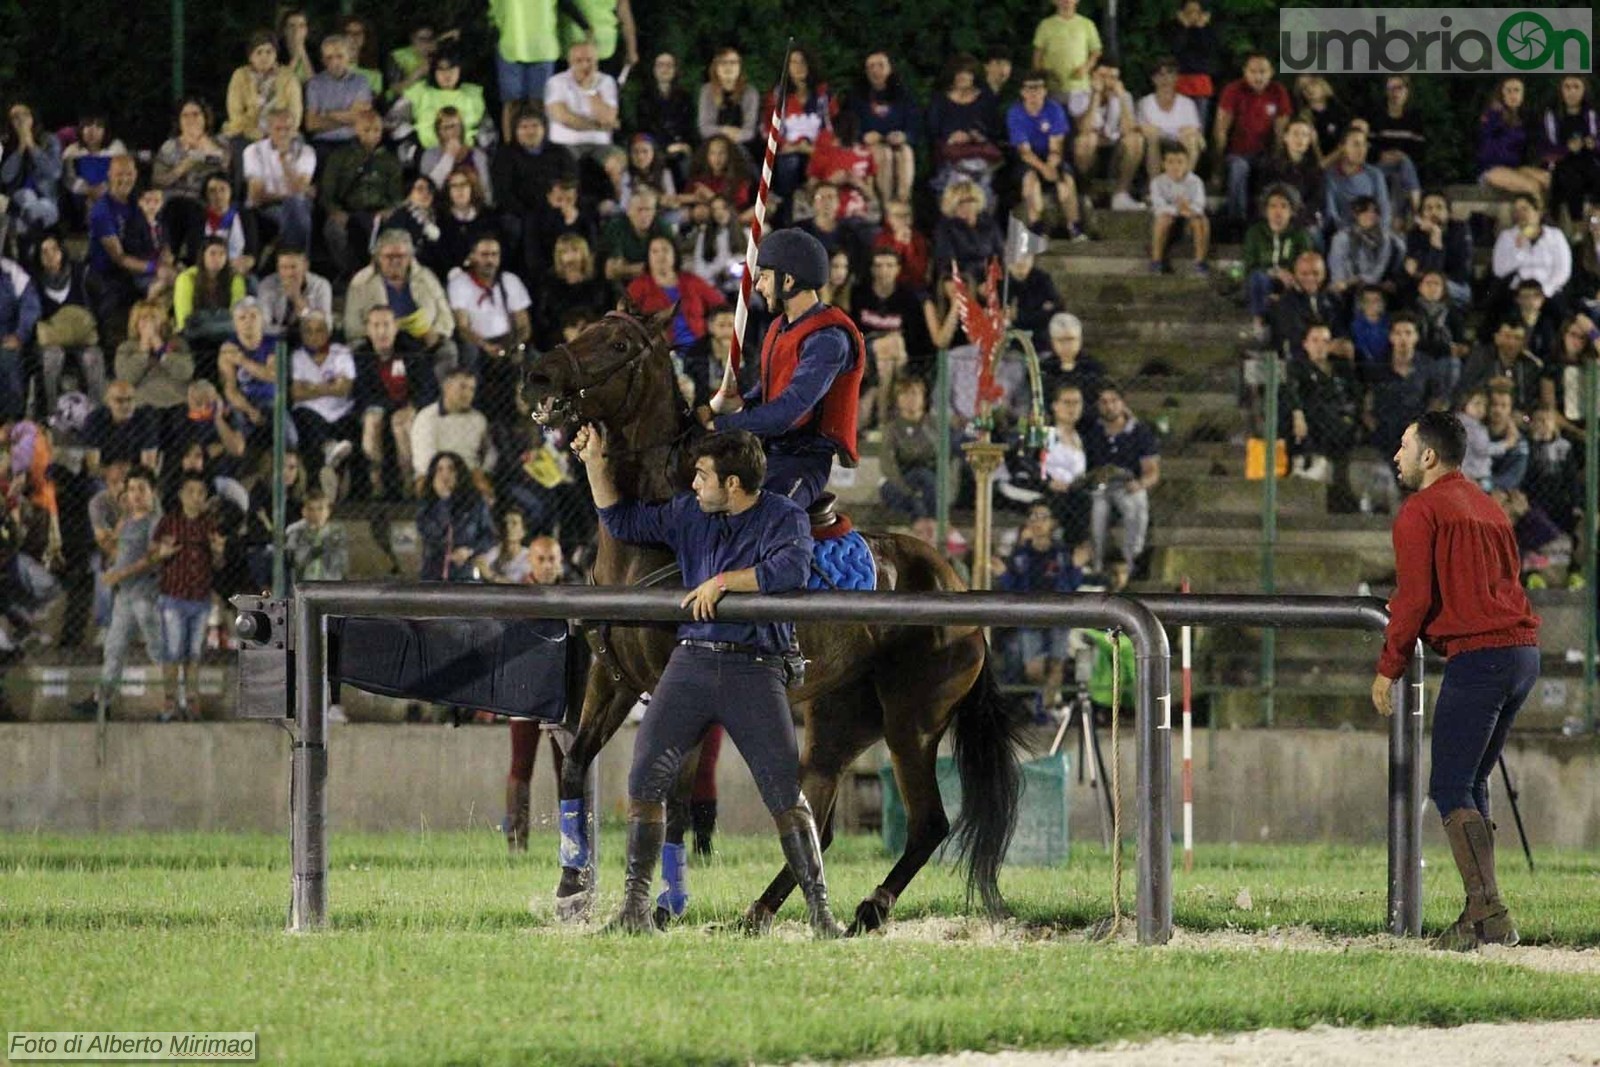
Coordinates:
<point>1188,750</point>
<point>741,311</point>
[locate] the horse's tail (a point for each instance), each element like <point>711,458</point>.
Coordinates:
<point>988,734</point>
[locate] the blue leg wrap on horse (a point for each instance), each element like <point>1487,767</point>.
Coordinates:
<point>675,872</point>
<point>574,835</point>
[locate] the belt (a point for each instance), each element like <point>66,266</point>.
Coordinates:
<point>725,646</point>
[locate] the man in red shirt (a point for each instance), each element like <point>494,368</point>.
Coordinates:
<point>1251,114</point>
<point>1457,587</point>
<point>190,548</point>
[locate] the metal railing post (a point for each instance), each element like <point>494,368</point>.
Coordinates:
<point>1269,538</point>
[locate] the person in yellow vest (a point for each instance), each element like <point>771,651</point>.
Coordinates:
<point>610,23</point>
<point>526,54</point>
<point>420,105</point>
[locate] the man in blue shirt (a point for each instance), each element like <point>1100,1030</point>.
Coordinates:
<point>1124,465</point>
<point>729,536</point>
<point>1038,129</point>
<point>122,278</point>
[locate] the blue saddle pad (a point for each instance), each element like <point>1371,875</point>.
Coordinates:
<point>847,562</point>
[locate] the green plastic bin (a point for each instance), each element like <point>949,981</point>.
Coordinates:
<point>1041,836</point>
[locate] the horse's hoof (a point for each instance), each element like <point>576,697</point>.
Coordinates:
<point>872,913</point>
<point>756,921</point>
<point>662,918</point>
<point>574,897</point>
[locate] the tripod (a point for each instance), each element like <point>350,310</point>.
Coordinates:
<point>1089,754</point>
<point>1516,812</point>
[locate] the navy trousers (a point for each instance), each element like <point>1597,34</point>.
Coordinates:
<point>801,478</point>
<point>1478,701</point>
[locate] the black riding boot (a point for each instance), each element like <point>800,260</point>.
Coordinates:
<point>703,821</point>
<point>647,829</point>
<point>797,831</point>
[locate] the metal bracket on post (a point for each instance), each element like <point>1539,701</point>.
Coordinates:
<point>265,627</point>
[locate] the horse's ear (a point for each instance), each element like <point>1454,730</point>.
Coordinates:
<point>660,324</point>
<point>629,308</point>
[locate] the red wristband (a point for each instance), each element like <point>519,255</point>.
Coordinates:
<point>722,583</point>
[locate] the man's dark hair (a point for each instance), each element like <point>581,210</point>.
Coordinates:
<point>315,495</point>
<point>1036,76</point>
<point>141,472</point>
<point>735,454</point>
<point>1173,148</point>
<point>1532,198</point>
<point>1401,318</point>
<point>1529,283</point>
<point>1512,324</point>
<point>1362,203</point>
<point>1443,432</point>
<point>195,476</point>
<point>1317,324</point>
<point>1166,64</point>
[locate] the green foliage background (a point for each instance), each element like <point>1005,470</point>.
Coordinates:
<point>117,55</point>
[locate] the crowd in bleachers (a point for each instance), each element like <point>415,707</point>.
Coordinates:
<point>373,220</point>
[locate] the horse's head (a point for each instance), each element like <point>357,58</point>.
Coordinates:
<point>603,375</point>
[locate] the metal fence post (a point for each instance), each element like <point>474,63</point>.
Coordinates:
<point>1591,526</point>
<point>1269,537</point>
<point>280,440</point>
<point>941,400</point>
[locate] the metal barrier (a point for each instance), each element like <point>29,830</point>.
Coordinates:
<point>314,602</point>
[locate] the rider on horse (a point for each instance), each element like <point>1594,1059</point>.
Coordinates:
<point>804,405</point>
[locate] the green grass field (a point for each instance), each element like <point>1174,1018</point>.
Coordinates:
<point>435,956</point>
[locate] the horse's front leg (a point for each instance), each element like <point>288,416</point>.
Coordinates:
<point>605,707</point>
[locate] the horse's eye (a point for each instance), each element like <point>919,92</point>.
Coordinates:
<point>619,346</point>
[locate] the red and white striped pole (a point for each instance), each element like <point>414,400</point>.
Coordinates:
<point>741,311</point>
<point>1188,750</point>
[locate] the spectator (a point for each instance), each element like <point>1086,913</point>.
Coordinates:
<point>825,224</point>
<point>625,241</point>
<point>1064,465</point>
<point>901,237</point>
<point>525,57</point>
<point>156,365</point>
<point>66,327</point>
<point>278,170</point>
<point>1324,403</point>
<point>121,277</point>
<point>1401,393</point>
<point>189,547</point>
<point>422,102</point>
<point>665,112</point>
<point>293,31</point>
<point>1251,113</point>
<point>890,123</point>
<point>318,548</point>
<point>1307,301</point>
<point>663,285</point>
<point>568,284</point>
<point>1351,178</point>
<point>1329,118</point>
<point>1568,149</point>
<point>1472,410</point>
<point>728,104</point>
<point>363,56</point>
<point>493,323</point>
<point>1541,319</point>
<point>716,247</point>
<point>807,111</point>
<point>581,104</point>
<point>510,561</point>
<point>1436,242</point>
<point>1271,246</point>
<point>1040,563</point>
<point>1124,465</point>
<point>1066,47</point>
<point>997,73</point>
<point>105,509</point>
<point>561,215</point>
<point>454,152</point>
<point>719,170</point>
<point>324,411</point>
<point>1507,356</point>
<point>134,583</point>
<point>203,298</point>
<point>147,238</point>
<point>30,175</point>
<point>1108,128</point>
<point>1034,298</point>
<point>257,89</point>
<point>291,293</point>
<point>361,183</point>
<point>452,425</point>
<point>200,420</point>
<point>86,163</point>
<point>1505,144</point>
<point>1192,39</point>
<point>646,169</point>
<point>1530,249</point>
<point>418,217</point>
<point>1442,326</point>
<point>120,432</point>
<point>184,162</point>
<point>706,360</point>
<point>1178,196</point>
<point>841,283</point>
<point>844,162</point>
<point>394,377</point>
<point>1554,479</point>
<point>541,484</point>
<point>453,522</point>
<point>1065,363</point>
<point>966,235</point>
<point>523,171</point>
<point>1369,329</point>
<point>218,216</point>
<point>609,24</point>
<point>1397,137</point>
<point>409,65</point>
<point>19,314</point>
<point>395,278</point>
<point>910,486</point>
<point>1546,551</point>
<point>258,535</point>
<point>247,364</point>
<point>1165,115</point>
<point>1294,166</point>
<point>1561,389</point>
<point>335,98</point>
<point>963,126</point>
<point>1365,252</point>
<point>1038,128</point>
<point>1508,448</point>
<point>464,221</point>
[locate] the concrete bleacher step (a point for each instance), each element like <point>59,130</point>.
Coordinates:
<point>1182,502</point>
<point>1237,568</point>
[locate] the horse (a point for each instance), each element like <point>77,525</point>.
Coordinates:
<point>905,685</point>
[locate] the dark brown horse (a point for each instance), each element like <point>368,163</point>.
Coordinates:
<point>903,684</point>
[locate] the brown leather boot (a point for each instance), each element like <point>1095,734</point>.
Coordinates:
<point>797,832</point>
<point>647,829</point>
<point>1485,920</point>
<point>518,801</point>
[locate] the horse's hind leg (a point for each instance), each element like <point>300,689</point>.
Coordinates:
<point>604,710</point>
<point>916,774</point>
